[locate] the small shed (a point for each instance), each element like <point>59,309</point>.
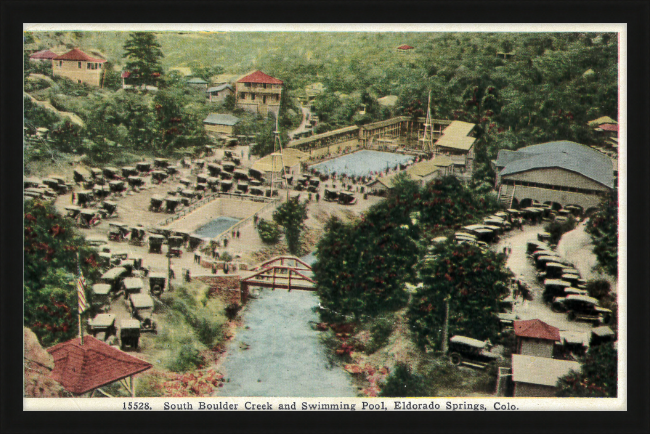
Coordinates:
<point>537,376</point>
<point>536,338</point>
<point>219,93</point>
<point>220,124</point>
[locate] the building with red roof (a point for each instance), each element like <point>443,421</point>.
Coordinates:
<point>43,56</point>
<point>405,47</point>
<point>84,368</point>
<point>536,338</point>
<point>79,67</point>
<point>259,93</point>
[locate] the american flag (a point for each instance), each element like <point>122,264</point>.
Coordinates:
<point>81,292</point>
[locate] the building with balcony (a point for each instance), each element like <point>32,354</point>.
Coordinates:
<point>79,67</point>
<point>259,93</point>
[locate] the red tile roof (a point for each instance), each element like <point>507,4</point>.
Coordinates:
<point>81,368</point>
<point>259,77</point>
<point>77,54</point>
<point>43,54</point>
<point>126,74</point>
<point>537,329</point>
<point>608,127</point>
<point>405,47</point>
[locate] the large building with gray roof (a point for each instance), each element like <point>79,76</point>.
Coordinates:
<point>562,172</point>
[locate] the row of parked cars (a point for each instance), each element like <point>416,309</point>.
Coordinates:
<point>125,277</point>
<point>564,288</point>
<point>44,189</point>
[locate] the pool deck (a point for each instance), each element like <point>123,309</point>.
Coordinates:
<point>371,158</point>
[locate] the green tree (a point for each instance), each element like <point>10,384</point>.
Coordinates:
<point>291,215</point>
<point>598,376</point>
<point>404,383</point>
<point>471,281</point>
<point>51,245</point>
<point>143,54</point>
<point>268,230</point>
<point>603,228</point>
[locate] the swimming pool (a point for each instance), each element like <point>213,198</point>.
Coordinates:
<point>362,163</point>
<point>216,227</point>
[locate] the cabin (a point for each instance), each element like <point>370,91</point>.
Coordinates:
<point>259,93</point>
<point>218,94</point>
<point>537,376</point>
<point>457,142</point>
<point>43,56</point>
<point>197,83</point>
<point>536,338</point>
<point>79,67</point>
<point>220,124</point>
<point>563,172</point>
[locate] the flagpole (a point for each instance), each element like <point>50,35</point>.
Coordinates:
<point>81,332</point>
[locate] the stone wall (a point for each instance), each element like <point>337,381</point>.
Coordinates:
<point>226,287</point>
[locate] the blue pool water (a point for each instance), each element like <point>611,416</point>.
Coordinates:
<point>215,227</point>
<point>362,163</point>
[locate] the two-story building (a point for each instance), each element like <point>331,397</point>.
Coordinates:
<point>259,93</point>
<point>79,67</point>
<point>457,142</point>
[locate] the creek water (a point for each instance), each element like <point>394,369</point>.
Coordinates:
<point>278,353</point>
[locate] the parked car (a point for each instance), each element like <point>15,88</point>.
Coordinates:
<point>470,352</point>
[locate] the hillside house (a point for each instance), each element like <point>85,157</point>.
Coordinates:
<point>566,173</point>
<point>79,67</point>
<point>218,94</point>
<point>538,376</point>
<point>457,142</point>
<point>197,83</point>
<point>536,338</point>
<point>259,93</point>
<point>220,124</point>
<point>607,129</point>
<point>43,56</point>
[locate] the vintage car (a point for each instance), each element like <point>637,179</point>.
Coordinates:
<point>88,218</point>
<point>81,175</point>
<point>84,198</point>
<point>102,326</point>
<point>135,181</point>
<point>470,352</point>
<point>242,186</point>
<point>141,308</point>
<point>214,169</point>
<point>226,185</point>
<point>229,166</point>
<point>175,244</point>
<point>101,296</point>
<point>346,198</point>
<point>171,203</point>
<point>117,231</point>
<point>137,235</point>
<point>110,207</point>
<point>129,334</point>
<point>601,335</point>
<point>132,285</point>
<point>143,167</point>
<point>555,288</point>
<point>117,186</point>
<point>240,174</point>
<point>582,308</point>
<point>128,171</point>
<point>330,195</point>
<point>110,172</point>
<point>161,162</point>
<point>155,243</point>
<point>157,283</point>
<point>114,278</point>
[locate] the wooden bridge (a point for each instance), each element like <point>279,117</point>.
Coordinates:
<point>283,272</point>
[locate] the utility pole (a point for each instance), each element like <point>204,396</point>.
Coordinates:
<point>427,136</point>
<point>169,272</point>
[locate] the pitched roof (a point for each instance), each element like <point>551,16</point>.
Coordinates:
<point>221,119</point>
<point>456,136</point>
<point>273,162</point>
<point>259,77</point>
<point>43,54</point>
<point>566,155</point>
<point>81,368</point>
<point>601,120</point>
<point>323,135</point>
<point>540,370</point>
<point>423,168</point>
<point>196,80</point>
<point>609,127</point>
<point>537,329</point>
<point>404,47</point>
<point>219,88</point>
<point>77,54</point>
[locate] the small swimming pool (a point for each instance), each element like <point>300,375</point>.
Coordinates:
<point>216,227</point>
<point>362,163</point>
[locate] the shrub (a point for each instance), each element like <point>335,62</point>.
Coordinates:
<point>403,383</point>
<point>557,229</point>
<point>232,310</point>
<point>380,332</point>
<point>187,358</point>
<point>269,231</point>
<point>598,288</point>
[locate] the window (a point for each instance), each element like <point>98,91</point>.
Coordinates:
<point>264,98</point>
<point>253,96</point>
<point>60,63</point>
<point>247,84</point>
<point>79,64</point>
<point>264,85</point>
<point>242,95</point>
